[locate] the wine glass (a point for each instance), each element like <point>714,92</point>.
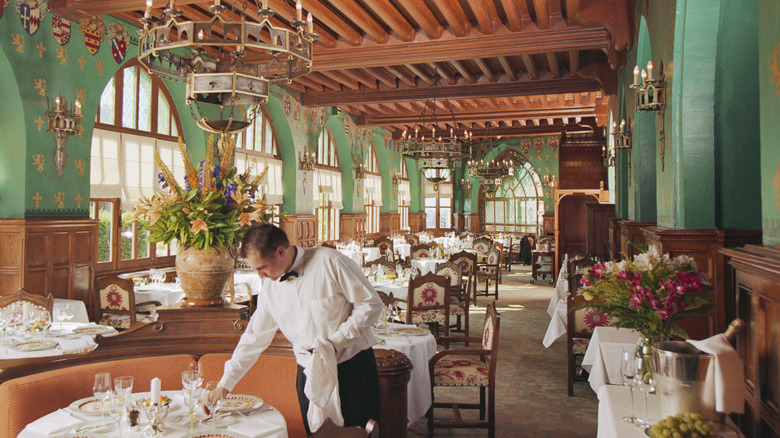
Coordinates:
<point>123,386</point>
<point>211,403</point>
<point>102,390</point>
<point>644,381</point>
<point>5,322</point>
<point>191,399</point>
<point>191,378</point>
<point>628,371</point>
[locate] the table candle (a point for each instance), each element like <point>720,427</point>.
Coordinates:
<point>154,398</point>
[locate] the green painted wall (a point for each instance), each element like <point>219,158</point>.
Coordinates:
<point>769,98</point>
<point>12,144</point>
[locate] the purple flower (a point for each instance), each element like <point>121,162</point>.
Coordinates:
<point>161,179</point>
<point>186,183</point>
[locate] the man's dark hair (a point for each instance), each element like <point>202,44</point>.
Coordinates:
<point>263,238</point>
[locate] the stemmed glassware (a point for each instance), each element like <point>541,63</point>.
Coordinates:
<point>628,371</point>
<point>5,322</point>
<point>191,379</point>
<point>102,390</point>
<point>63,313</point>
<point>644,381</point>
<point>38,321</point>
<point>211,404</point>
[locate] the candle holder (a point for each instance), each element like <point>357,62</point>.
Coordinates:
<point>156,414</point>
<point>306,164</point>
<point>63,121</point>
<point>650,96</point>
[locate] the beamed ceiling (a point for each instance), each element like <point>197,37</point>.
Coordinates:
<point>519,66</point>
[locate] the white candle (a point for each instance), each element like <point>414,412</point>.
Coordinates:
<point>644,75</point>
<point>78,107</point>
<point>622,124</point>
<point>636,74</point>
<point>265,4</point>
<point>650,70</point>
<point>154,398</point>
<point>298,10</point>
<point>310,22</point>
<point>148,12</point>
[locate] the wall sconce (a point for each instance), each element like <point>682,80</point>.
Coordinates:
<point>622,142</point>
<point>395,181</point>
<point>551,182</point>
<point>650,96</point>
<point>360,175</point>
<point>306,164</point>
<point>465,185</point>
<point>62,122</point>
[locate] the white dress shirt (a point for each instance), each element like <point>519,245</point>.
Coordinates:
<point>330,298</point>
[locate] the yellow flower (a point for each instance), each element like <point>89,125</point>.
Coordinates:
<point>246,218</point>
<point>198,225</point>
<point>240,198</point>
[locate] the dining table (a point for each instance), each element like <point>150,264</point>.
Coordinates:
<point>78,307</point>
<point>603,356</point>
<point>399,288</point>
<point>65,338</point>
<point>260,420</point>
<point>426,265</point>
<point>419,346</point>
<point>165,293</point>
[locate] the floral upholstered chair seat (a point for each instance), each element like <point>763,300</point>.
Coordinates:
<point>460,371</point>
<point>428,299</point>
<point>581,322</point>
<point>420,252</point>
<point>117,306</point>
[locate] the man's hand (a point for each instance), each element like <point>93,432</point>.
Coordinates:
<point>212,397</point>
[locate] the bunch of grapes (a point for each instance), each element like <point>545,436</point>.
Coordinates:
<point>685,425</point>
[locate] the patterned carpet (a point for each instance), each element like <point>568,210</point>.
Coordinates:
<point>531,398</point>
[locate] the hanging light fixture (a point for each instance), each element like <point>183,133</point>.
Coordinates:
<point>435,154</point>
<point>492,173</point>
<point>227,62</point>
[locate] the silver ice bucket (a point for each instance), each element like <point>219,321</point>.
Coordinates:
<point>684,379</point>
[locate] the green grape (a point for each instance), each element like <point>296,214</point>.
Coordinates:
<point>683,425</point>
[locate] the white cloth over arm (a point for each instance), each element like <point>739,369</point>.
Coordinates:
<point>322,384</point>
<point>729,373</point>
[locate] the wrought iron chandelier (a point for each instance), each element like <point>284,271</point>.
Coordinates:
<point>226,61</point>
<point>492,173</point>
<point>435,155</point>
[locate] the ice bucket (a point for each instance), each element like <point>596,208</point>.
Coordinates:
<point>684,379</point>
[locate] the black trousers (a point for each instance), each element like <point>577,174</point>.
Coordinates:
<point>358,390</point>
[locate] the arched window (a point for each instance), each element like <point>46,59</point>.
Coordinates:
<point>404,195</point>
<point>372,190</point>
<point>256,148</point>
<point>518,204</point>
<point>438,205</point>
<point>327,188</point>
<point>136,118</point>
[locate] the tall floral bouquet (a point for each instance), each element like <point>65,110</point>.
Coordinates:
<point>212,208</point>
<point>649,294</point>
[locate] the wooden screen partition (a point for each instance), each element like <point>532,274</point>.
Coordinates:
<point>597,219</point>
<point>570,220</point>
<point>389,224</point>
<point>754,289</point>
<point>416,222</point>
<point>301,229</point>
<point>631,232</point>
<point>353,227</point>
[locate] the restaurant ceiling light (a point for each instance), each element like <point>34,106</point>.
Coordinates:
<point>226,61</point>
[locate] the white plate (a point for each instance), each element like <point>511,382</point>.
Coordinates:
<point>101,427</point>
<point>215,435</point>
<point>240,403</point>
<point>220,421</point>
<point>410,331</point>
<point>90,406</point>
<point>93,330</point>
<point>34,345</point>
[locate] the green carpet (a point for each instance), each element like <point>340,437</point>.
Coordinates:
<point>531,399</point>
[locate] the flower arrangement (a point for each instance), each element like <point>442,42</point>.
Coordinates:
<point>649,294</point>
<point>214,205</point>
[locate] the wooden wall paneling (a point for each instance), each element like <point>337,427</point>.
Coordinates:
<point>597,228</point>
<point>631,231</point>
<point>12,255</point>
<point>614,238</point>
<point>389,223</point>
<point>756,291</point>
<point>548,224</point>
<point>572,223</point>
<point>301,229</point>
<point>353,227</point>
<point>416,222</point>
<point>474,225</point>
<point>580,164</point>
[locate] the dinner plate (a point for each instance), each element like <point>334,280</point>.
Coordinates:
<point>34,345</point>
<point>91,406</point>
<point>215,435</point>
<point>93,330</point>
<point>411,331</point>
<point>102,427</point>
<point>219,421</point>
<point>240,403</point>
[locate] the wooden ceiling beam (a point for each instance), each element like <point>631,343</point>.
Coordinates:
<point>326,81</point>
<point>310,84</point>
<point>444,73</point>
<point>574,62</point>
<point>402,74</point>
<point>425,19</point>
<point>486,116</point>
<point>514,15</point>
<point>326,39</point>
<point>483,65</point>
<point>325,15</point>
<point>359,16</point>
<point>362,77</point>
<point>552,59</point>
<point>542,14</point>
<point>345,79</point>
<point>508,102</point>
<point>455,16</point>
<point>489,90</point>
<point>421,73</point>
<point>463,70</point>
<point>530,67</point>
<point>507,44</point>
<point>507,66</point>
<point>486,15</point>
<point>383,76</point>
<point>393,18</point>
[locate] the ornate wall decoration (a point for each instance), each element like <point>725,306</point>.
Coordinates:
<point>17,39</point>
<point>94,30</point>
<point>38,161</point>
<point>31,14</point>
<point>539,145</point>
<point>287,104</point>
<point>526,145</point>
<point>118,38</point>
<point>60,27</point>
<point>775,70</point>
<point>62,55</point>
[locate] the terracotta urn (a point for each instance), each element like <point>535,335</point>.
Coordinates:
<point>204,273</point>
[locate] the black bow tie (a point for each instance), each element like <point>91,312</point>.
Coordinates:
<point>288,275</point>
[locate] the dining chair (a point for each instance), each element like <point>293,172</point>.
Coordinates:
<point>489,271</point>
<point>467,367</point>
<point>459,295</point>
<point>330,430</point>
<point>481,246</point>
<point>328,245</point>
<point>420,251</point>
<point>500,246</point>
<point>412,239</point>
<point>468,264</point>
<point>580,323</point>
<point>427,302</point>
<point>383,244</point>
<point>387,267</point>
<point>575,266</point>
<point>116,306</point>
<point>17,300</point>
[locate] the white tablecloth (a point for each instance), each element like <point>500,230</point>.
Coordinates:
<point>605,349</point>
<point>419,350</point>
<point>265,422</point>
<point>399,290</point>
<point>69,343</point>
<point>249,277</point>
<point>426,265</point>
<point>79,309</point>
<point>614,404</point>
<point>356,256</point>
<point>372,253</point>
<point>165,293</point>
<point>403,249</point>
<point>561,289</point>
<point>558,323</point>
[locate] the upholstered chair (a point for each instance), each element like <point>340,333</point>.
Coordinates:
<point>581,322</point>
<point>428,301</point>
<point>116,306</point>
<point>489,271</point>
<point>420,252</point>
<point>459,295</point>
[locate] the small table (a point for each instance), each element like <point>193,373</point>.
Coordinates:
<point>67,342</point>
<point>426,265</point>
<point>542,264</point>
<point>399,291</point>
<point>602,358</point>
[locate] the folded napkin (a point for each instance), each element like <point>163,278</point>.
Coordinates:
<point>729,373</point>
<point>255,426</point>
<point>54,424</point>
<point>322,383</point>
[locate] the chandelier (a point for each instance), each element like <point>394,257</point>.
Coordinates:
<point>435,155</point>
<point>491,174</point>
<point>226,61</point>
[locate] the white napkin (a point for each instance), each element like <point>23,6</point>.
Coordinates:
<point>729,373</point>
<point>322,383</point>
<point>254,426</point>
<point>54,423</point>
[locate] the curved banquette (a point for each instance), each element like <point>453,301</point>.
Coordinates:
<point>31,388</point>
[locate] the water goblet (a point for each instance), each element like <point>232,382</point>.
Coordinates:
<point>59,314</point>
<point>191,399</point>
<point>644,381</point>
<point>102,390</point>
<point>123,386</point>
<point>5,322</point>
<point>212,401</point>
<point>628,371</point>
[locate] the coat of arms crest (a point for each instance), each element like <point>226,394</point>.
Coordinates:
<point>119,37</point>
<point>31,13</point>
<point>60,27</point>
<point>94,30</point>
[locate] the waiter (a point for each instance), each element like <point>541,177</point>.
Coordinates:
<point>325,306</point>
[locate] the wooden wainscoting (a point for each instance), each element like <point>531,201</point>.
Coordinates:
<point>754,288</point>
<point>389,224</point>
<point>473,223</point>
<point>49,256</point>
<point>704,246</point>
<point>597,218</point>
<point>614,238</point>
<point>416,222</point>
<point>301,229</point>
<point>353,227</point>
<point>631,231</point>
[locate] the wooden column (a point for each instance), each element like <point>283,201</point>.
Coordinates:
<point>614,238</point>
<point>631,231</point>
<point>395,371</point>
<point>389,224</point>
<point>353,227</point>
<point>301,229</point>
<point>416,222</point>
